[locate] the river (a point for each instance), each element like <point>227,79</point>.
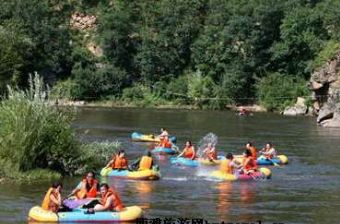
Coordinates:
<point>307,190</point>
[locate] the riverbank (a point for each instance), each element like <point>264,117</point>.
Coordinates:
<point>123,104</point>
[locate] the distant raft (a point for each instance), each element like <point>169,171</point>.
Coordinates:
<point>138,137</point>
<point>134,175</point>
<point>129,214</point>
<point>162,150</point>
<point>262,173</point>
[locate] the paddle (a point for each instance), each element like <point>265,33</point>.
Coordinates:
<point>274,163</point>
<point>174,147</point>
<point>144,206</point>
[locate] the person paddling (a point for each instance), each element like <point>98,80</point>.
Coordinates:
<point>146,162</point>
<point>110,200</point>
<point>118,161</point>
<point>189,151</point>
<point>249,165</point>
<point>210,152</point>
<point>87,188</point>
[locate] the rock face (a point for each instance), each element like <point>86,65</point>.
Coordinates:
<point>86,24</point>
<point>300,108</point>
<point>83,22</point>
<point>325,84</point>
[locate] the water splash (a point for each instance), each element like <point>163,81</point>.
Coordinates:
<point>203,143</point>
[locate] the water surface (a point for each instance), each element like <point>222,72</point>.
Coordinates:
<point>305,191</point>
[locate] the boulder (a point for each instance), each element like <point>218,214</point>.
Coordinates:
<point>299,108</point>
<point>325,84</point>
<point>294,111</point>
<point>326,112</point>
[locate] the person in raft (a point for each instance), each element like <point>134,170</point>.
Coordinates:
<point>118,162</point>
<point>210,152</point>
<point>249,165</point>
<point>146,162</point>
<point>110,201</point>
<point>189,151</point>
<point>164,133</point>
<point>165,142</point>
<point>229,165</point>
<point>52,200</point>
<point>268,151</point>
<point>87,188</point>
<point>252,149</point>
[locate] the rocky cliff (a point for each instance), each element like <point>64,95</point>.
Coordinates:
<point>325,84</point>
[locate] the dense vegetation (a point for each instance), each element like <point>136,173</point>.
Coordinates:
<point>37,141</point>
<point>201,52</point>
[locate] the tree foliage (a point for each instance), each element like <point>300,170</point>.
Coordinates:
<point>160,44</point>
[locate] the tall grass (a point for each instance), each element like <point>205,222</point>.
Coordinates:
<point>36,138</point>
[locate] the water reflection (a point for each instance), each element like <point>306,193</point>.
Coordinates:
<point>247,199</point>
<point>224,199</point>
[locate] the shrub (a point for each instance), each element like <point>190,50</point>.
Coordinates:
<point>276,91</point>
<point>35,134</point>
<point>201,89</point>
<point>37,141</point>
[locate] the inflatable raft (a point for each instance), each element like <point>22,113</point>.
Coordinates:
<point>208,162</point>
<point>38,214</point>
<point>161,150</point>
<point>280,159</point>
<point>138,137</point>
<point>134,175</point>
<point>262,161</point>
<point>262,173</point>
<point>181,161</point>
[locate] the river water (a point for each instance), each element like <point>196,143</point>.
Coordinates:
<point>307,190</point>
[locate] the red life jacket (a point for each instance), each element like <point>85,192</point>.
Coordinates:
<point>84,193</point>
<point>119,163</point>
<point>189,152</point>
<point>117,204</point>
<point>249,164</point>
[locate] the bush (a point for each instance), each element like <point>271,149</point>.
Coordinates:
<point>97,81</point>
<point>134,93</point>
<point>142,96</point>
<point>35,134</point>
<point>201,89</point>
<point>64,90</point>
<point>97,154</point>
<point>177,89</point>
<point>37,141</point>
<point>276,91</point>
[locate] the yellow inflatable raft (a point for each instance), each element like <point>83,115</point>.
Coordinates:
<point>131,213</point>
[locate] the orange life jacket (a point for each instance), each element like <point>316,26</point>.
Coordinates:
<point>253,152</point>
<point>225,166</point>
<point>189,152</point>
<point>117,204</point>
<point>83,193</point>
<point>165,143</point>
<point>119,163</point>
<point>249,164</point>
<point>145,163</point>
<point>47,203</point>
